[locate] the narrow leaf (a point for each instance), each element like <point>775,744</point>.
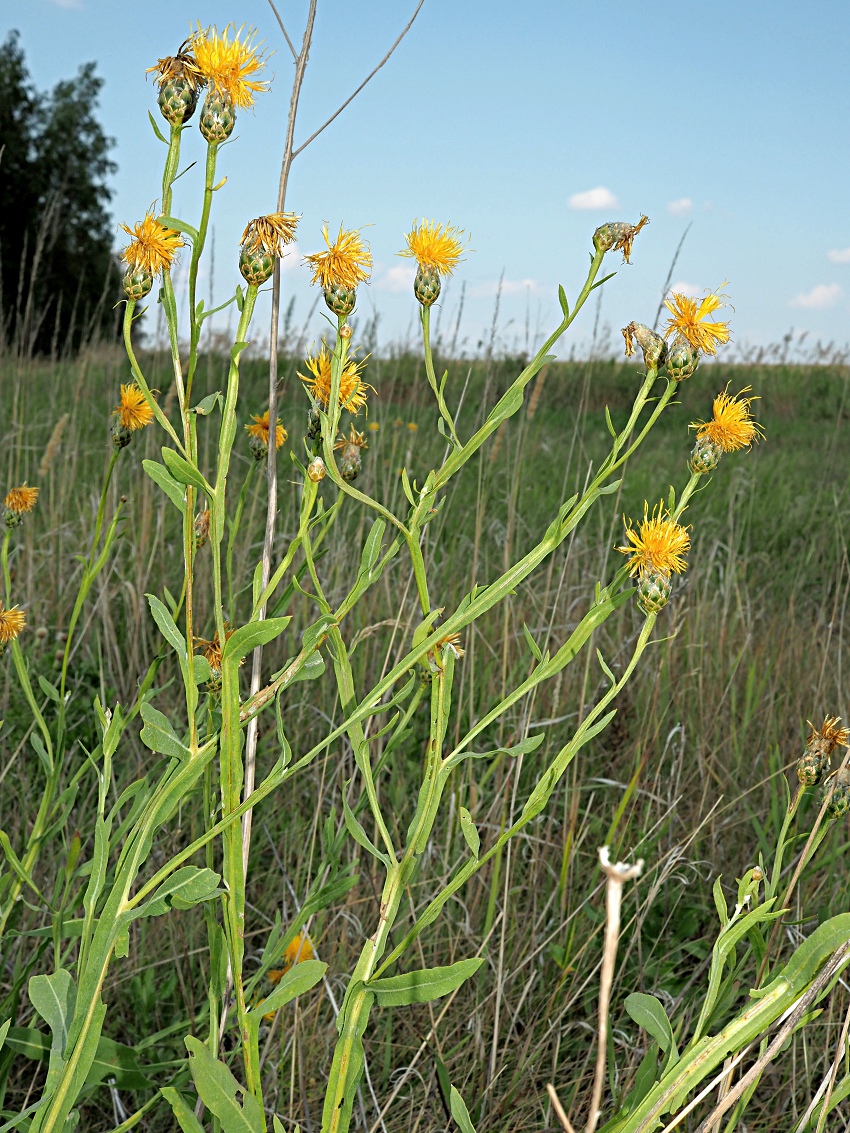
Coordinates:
<point>249,636</point>
<point>460,1113</point>
<point>293,983</point>
<point>185,1115</point>
<point>182,471</point>
<point>218,1089</point>
<point>166,625</point>
<point>423,985</point>
<point>473,839</point>
<point>160,476</point>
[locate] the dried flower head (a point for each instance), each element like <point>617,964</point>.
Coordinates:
<point>211,650</point>
<point>450,643</point>
<point>829,736</point>
<point>354,438</point>
<point>133,411</point>
<point>688,318</point>
<point>12,621</point>
<point>153,246</point>
<point>182,66</point>
<point>261,430</point>
<point>731,426</point>
<point>230,64</point>
<point>21,500</point>
<point>652,345</point>
<point>346,263</point>
<point>619,236</point>
<point>202,528</point>
<point>434,245</point>
<point>659,545</point>
<point>270,233</point>
<point>352,391</point>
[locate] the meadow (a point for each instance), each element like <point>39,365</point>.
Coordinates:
<point>690,775</point>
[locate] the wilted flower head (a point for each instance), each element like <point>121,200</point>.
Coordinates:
<point>731,426</point>
<point>182,66</point>
<point>346,263</point>
<point>688,319</point>
<point>659,545</point>
<point>829,736</point>
<point>352,391</point>
<point>618,235</point>
<point>270,233</point>
<point>153,246</point>
<point>653,345</point>
<point>202,528</point>
<point>814,764</point>
<point>230,64</point>
<point>436,246</point>
<point>133,411</point>
<point>12,621</point>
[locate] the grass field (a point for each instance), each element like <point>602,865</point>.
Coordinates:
<point>689,776</point>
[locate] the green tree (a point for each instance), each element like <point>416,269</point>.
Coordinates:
<point>59,280</point>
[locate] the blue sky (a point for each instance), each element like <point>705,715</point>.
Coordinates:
<point>527,124</point>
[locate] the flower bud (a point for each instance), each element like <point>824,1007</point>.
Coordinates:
<point>256,265</point>
<point>705,457</point>
<point>426,285</point>
<point>121,435</point>
<point>137,283</point>
<point>653,591</point>
<point>345,332</point>
<point>682,359</point>
<point>839,804</point>
<point>218,116</point>
<point>341,299</point>
<point>316,469</point>
<point>653,345</point>
<point>177,98</point>
<point>619,235</point>
<point>314,424</point>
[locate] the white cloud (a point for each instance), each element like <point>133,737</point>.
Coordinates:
<point>824,295</point>
<point>681,207</point>
<point>507,287</point>
<point>598,198</point>
<point>839,255</point>
<point>397,278</point>
<point>683,288</point>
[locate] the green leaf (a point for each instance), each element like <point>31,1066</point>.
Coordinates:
<point>156,129</point>
<point>532,644</point>
<point>357,832</point>
<point>186,887</point>
<point>312,668</point>
<point>207,404</point>
<point>423,985</point>
<point>185,1116</point>
<point>470,833</point>
<point>166,625</point>
<point>604,279</point>
<point>609,423</point>
<point>237,348</point>
<point>54,998</point>
<point>293,983</point>
<point>48,689</point>
<point>4,1030</point>
<point>180,226</point>
<point>372,547</point>
<point>118,1061</point>
<point>169,485</point>
<point>720,903</point>
<point>562,299</point>
<point>184,472</point>
<point>17,866</point>
<point>159,736</point>
<point>458,1107</point>
<point>218,1088</point>
<point>313,635</point>
<point>249,636</point>
<point>648,1012</point>
<point>605,668</point>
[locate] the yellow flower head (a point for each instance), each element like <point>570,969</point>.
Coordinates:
<point>830,736</point>
<point>352,391</point>
<point>153,246</point>
<point>270,233</point>
<point>133,411</point>
<point>435,246</point>
<point>21,500</point>
<point>346,263</point>
<point>230,64</point>
<point>260,429</point>
<point>688,319</point>
<point>180,66</point>
<point>11,623</point>
<point>659,545</point>
<point>731,427</point>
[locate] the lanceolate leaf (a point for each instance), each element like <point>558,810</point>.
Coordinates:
<point>423,985</point>
<point>249,636</point>
<point>293,983</point>
<point>218,1089</point>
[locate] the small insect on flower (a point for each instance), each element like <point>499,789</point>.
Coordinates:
<point>259,433</point>
<point>230,62</point>
<point>18,502</point>
<point>731,426</point>
<point>264,241</point>
<point>352,391</point>
<point>619,236</point>
<point>659,545</point>
<point>688,318</point>
<point>339,270</point>
<point>12,621</point>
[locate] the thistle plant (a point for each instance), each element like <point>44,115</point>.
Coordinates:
<point>202,741</point>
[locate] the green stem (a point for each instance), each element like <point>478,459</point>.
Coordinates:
<point>197,250</point>
<point>231,538</point>
<point>425,316</point>
<point>140,377</point>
